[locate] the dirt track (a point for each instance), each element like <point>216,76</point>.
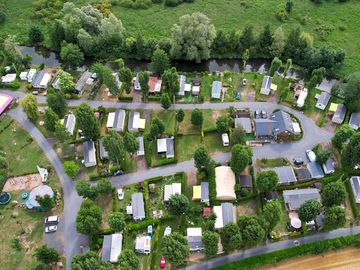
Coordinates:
<point>345,259</point>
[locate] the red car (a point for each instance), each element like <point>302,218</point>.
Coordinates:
<point>162,262</point>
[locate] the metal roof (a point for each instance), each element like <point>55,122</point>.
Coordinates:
<point>286,174</point>
<point>245,123</point>
<point>138,208</point>
<point>89,153</point>
<point>69,123</point>
<point>315,170</point>
<point>265,86</point>
<point>303,174</point>
<point>324,98</point>
<point>245,181</point>
<point>141,150</point>
<point>339,115</point>
<point>82,80</point>
<point>216,89</point>
<point>227,213</point>
<point>296,197</point>
<point>116,120</point>
<point>103,153</point>
<point>182,82</point>
<point>264,127</point>
<point>355,185</point>
<point>283,122</point>
<point>112,247</point>
<point>204,191</point>
<point>354,122</point>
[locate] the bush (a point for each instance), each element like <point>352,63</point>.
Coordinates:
<point>13,85</point>
<point>141,225</point>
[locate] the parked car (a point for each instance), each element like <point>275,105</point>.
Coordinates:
<point>256,114</point>
<point>162,262</point>
<point>311,155</point>
<point>118,172</point>
<point>120,193</point>
<point>298,161</point>
<point>263,114</point>
<point>244,82</point>
<point>50,229</point>
<point>52,220</point>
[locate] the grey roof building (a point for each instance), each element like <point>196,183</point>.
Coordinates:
<point>283,123</point>
<point>322,100</point>
<point>296,197</point>
<point>89,154</point>
<point>264,127</point>
<point>182,82</point>
<point>246,181</point>
<point>141,150</point>
<point>80,84</point>
<point>225,214</point>
<point>111,248</point>
<point>103,153</point>
<point>271,195</point>
<point>245,123</point>
<point>194,237</point>
<point>69,123</point>
<point>339,115</point>
<point>41,80</point>
<point>204,192</point>
<point>328,167</point>
<point>303,174</point>
<point>216,89</point>
<point>116,121</point>
<point>315,170</point>
<point>355,186</point>
<point>354,121</point>
<point>138,208</point>
<point>166,145</point>
<point>266,85</point>
<point>286,174</point>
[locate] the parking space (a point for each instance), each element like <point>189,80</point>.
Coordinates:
<point>56,239</point>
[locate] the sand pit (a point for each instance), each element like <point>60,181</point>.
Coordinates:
<point>20,183</point>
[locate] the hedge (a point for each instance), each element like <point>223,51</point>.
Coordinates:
<point>165,161</point>
<point>148,151</point>
<point>13,85</point>
<point>142,225</point>
<point>124,98</point>
<point>306,249</point>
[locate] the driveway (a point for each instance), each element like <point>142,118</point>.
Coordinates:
<point>56,239</point>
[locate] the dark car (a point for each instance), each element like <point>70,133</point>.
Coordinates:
<point>256,114</point>
<point>119,172</point>
<point>298,161</point>
<point>263,114</point>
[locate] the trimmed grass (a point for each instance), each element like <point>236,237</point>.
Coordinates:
<point>168,117</point>
<point>22,152</point>
<point>284,218</point>
<point>186,146</point>
<point>214,144</point>
<point>269,163</point>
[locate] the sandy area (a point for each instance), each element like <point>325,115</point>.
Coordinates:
<point>344,259</point>
<point>23,182</point>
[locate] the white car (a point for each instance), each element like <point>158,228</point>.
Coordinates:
<point>120,193</point>
<point>52,220</point>
<point>311,155</point>
<point>50,229</point>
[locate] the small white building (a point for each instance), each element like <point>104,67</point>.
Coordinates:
<point>69,123</point>
<point>195,90</point>
<point>225,183</point>
<point>111,248</point>
<point>8,78</point>
<point>31,75</point>
<point>143,244</point>
<point>322,100</point>
<point>171,190</point>
<point>302,97</point>
<point>23,76</point>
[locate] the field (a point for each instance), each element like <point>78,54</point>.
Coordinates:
<point>331,23</point>
<point>342,259</point>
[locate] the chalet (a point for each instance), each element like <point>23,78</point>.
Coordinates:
<point>225,214</point>
<point>69,123</point>
<point>143,244</point>
<point>216,89</point>
<point>102,151</point>
<point>23,75</point>
<point>285,174</point>
<point>171,190</point>
<point>166,145</point>
<point>283,125</point>
<point>182,82</point>
<point>135,122</point>
<point>194,238</point>
<point>322,100</point>
<point>137,205</point>
<point>31,74</point>
<point>41,80</point>
<point>116,121</point>
<point>328,167</point>
<point>201,192</point>
<point>267,86</point>
<point>315,170</point>
<point>85,81</point>
<point>111,248</point>
<point>8,78</point>
<point>141,151</point>
<point>196,83</point>
<point>354,122</point>
<point>154,85</point>
<point>89,154</point>
<point>339,115</point>
<point>355,186</point>
<point>303,174</point>
<point>225,183</point>
<point>295,198</point>
<point>136,81</point>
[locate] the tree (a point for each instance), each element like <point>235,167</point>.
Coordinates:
<point>66,82</point>
<point>130,142</point>
<point>165,101</point>
<point>175,248</point>
<point>322,156</point>
<point>47,255</point>
<point>85,189</point>
<point>60,132</point>
<point>117,221</point>
<point>71,55</point>
<point>342,135</point>
<point>170,81</point>
<point>128,260</point>
<point>287,66</point>
<point>157,128</point>
<point>334,217</point>
<point>46,202</point>
<point>178,204</point>
<point>351,154</point>
<point>245,57</point>
<point>126,76</point>
<point>275,65</point>
<point>197,117</point>
<point>41,266</point>
<point>209,222</point>
<point>89,261</point>
<point>11,50</point>
<point>265,41</point>
<point>144,84</point>
<point>71,168</point>
<point>240,158</point>
<point>50,119</point>
<point>246,39</point>
<point>35,35</point>
<point>30,107</point>
<point>266,181</point>
<point>86,121</point>
<point>201,157</point>
<point>106,76</point>
<point>309,210</point>
<point>210,241</point>
<point>271,214</point>
<point>333,193</point>
<point>278,44</point>
<point>194,44</point>
<point>251,229</point>
<point>114,145</point>
<point>289,6</point>
<point>317,75</point>
<point>180,116</point>
<point>230,237</point>
<point>351,92</point>
<point>104,186</point>
<point>237,136</point>
<point>56,101</point>
<point>89,218</point>
<point>223,123</point>
<point>160,61</point>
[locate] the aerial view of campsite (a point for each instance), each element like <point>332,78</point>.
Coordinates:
<point>179,134</point>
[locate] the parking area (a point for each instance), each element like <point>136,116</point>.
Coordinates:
<point>56,239</point>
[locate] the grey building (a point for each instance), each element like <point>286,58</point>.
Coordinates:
<point>339,115</point>
<point>245,181</point>
<point>264,128</point>
<point>355,186</point>
<point>69,123</point>
<point>194,238</point>
<point>182,82</point>
<point>138,208</point>
<point>111,248</point>
<point>303,174</point>
<point>245,123</point>
<point>322,100</point>
<point>328,167</point>
<point>103,153</point>
<point>285,174</point>
<point>295,198</point>
<point>216,89</point>
<point>116,121</point>
<point>283,123</point>
<point>166,145</point>
<point>354,121</point>
<point>315,170</point>
<point>266,85</point>
<point>89,154</point>
<point>204,192</point>
<point>141,150</point>
<point>80,84</point>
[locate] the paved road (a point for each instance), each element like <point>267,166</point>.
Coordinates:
<point>212,263</point>
<point>72,201</point>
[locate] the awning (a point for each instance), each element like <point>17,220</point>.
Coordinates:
<point>196,193</point>
<point>333,107</point>
<point>142,123</point>
<point>273,87</point>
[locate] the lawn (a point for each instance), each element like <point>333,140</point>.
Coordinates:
<point>214,144</point>
<point>186,146</point>
<point>169,120</point>
<point>248,208</point>
<point>22,152</point>
<point>281,226</point>
<point>270,163</point>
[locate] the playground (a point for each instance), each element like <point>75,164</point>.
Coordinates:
<point>26,182</point>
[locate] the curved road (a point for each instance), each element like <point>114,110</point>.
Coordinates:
<point>313,135</point>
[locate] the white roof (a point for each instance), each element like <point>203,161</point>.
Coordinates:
<point>45,80</point>
<point>23,75</point>
<point>161,145</point>
<point>188,87</point>
<point>301,99</point>
<point>143,242</point>
<point>219,219</point>
<point>31,74</point>
<point>195,89</point>
<point>110,120</point>
<point>296,127</point>
<point>225,183</point>
<point>170,190</point>
<point>194,232</point>
<point>8,78</point>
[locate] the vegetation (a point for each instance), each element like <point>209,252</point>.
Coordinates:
<point>175,248</point>
<point>309,210</point>
<point>334,217</point>
<point>71,168</point>
<point>89,261</point>
<point>178,204</point>
<point>128,260</point>
<point>197,117</point>
<point>114,145</point>
<point>240,158</point>
<point>266,181</point>
<point>210,240</point>
<point>333,193</point>
<point>86,121</point>
<point>89,218</point>
<point>30,107</point>
<point>350,154</point>
<point>201,157</point>
<point>251,229</point>
<point>117,221</point>
<point>230,237</point>
<point>47,255</point>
